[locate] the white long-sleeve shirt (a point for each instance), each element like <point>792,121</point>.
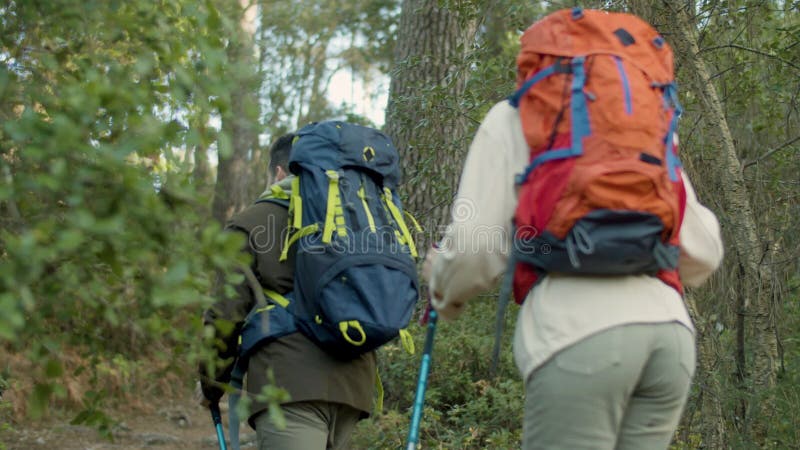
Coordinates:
<point>561,309</point>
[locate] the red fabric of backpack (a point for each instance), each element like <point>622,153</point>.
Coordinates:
<point>603,193</point>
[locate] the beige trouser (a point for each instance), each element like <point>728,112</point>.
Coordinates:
<point>309,426</point>
<point>622,389</point>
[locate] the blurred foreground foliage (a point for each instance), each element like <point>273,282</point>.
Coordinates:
<point>105,242</point>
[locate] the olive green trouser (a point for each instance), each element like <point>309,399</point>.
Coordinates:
<point>621,389</point>
<point>309,426</point>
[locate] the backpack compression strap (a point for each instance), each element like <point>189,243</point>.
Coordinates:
<point>671,101</point>
<point>334,213</point>
<point>296,220</point>
<point>578,106</point>
<point>362,194</point>
<point>398,218</point>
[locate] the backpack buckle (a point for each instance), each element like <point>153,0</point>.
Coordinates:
<point>563,65</point>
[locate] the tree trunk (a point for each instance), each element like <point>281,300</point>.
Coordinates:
<point>709,391</point>
<point>423,117</point>
<point>259,162</point>
<point>202,175</point>
<point>232,191</point>
<point>755,292</point>
<point>201,172</point>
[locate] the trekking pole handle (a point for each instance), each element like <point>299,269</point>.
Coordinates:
<point>419,398</point>
<point>216,416</point>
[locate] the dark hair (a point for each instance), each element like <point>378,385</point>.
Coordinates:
<point>279,153</point>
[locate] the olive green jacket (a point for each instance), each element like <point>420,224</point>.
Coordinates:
<point>298,365</point>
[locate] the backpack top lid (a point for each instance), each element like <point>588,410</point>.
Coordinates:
<point>332,145</point>
<point>577,32</point>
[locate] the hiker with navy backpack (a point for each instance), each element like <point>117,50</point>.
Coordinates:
<point>332,256</point>
<point>327,396</point>
<point>601,232</point>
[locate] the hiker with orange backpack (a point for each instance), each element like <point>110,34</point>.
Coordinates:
<point>600,232</point>
<point>336,283</point>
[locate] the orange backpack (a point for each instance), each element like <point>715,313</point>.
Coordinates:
<point>603,193</point>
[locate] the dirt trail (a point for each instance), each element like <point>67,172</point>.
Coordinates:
<point>177,424</point>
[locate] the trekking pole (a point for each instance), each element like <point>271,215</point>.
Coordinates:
<point>419,399</point>
<point>217,418</point>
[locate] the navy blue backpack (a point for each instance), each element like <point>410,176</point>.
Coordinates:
<point>355,283</point>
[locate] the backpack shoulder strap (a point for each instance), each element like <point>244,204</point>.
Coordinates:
<point>275,194</point>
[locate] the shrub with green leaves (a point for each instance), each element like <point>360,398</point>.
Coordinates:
<point>105,243</point>
<point>465,408</point>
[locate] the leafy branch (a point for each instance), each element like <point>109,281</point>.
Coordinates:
<point>770,152</point>
<point>752,50</point>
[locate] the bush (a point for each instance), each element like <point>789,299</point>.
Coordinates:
<point>464,407</point>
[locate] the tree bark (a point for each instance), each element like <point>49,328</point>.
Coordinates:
<point>202,176</point>
<point>232,191</point>
<point>755,291</point>
<point>709,398</point>
<point>423,117</point>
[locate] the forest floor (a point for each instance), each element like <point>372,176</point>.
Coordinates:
<point>163,424</point>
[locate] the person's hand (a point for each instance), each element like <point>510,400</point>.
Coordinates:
<point>199,397</point>
<point>207,394</point>
<point>427,265</point>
